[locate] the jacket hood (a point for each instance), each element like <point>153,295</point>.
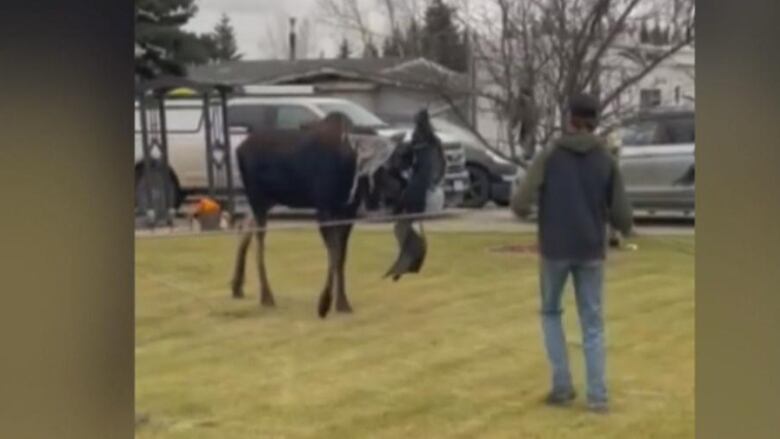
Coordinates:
<point>581,143</point>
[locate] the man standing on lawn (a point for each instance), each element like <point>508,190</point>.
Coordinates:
<point>579,189</point>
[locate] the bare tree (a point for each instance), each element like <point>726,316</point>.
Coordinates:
<point>276,42</point>
<point>534,54</point>
<point>274,45</point>
<point>352,15</point>
<point>304,39</point>
<point>348,15</point>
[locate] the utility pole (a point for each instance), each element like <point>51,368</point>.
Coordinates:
<point>472,74</point>
<point>292,39</point>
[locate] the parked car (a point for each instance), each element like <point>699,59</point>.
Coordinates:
<point>657,159</point>
<point>491,177</point>
<point>186,140</point>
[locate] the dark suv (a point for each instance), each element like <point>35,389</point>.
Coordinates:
<point>491,177</point>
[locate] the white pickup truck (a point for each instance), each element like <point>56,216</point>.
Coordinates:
<point>187,173</point>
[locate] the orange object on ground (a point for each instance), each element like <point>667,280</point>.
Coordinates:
<point>208,213</point>
<point>207,206</point>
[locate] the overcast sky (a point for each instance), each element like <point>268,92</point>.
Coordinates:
<point>261,25</point>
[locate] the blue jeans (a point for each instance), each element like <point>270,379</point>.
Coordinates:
<point>588,280</point>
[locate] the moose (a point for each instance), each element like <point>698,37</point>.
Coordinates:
<point>333,167</point>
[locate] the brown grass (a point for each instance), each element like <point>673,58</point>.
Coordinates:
<point>454,352</point>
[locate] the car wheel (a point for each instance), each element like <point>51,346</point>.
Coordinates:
<point>478,193</point>
<point>162,193</point>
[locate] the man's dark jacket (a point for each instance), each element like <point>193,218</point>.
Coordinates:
<point>579,189</point>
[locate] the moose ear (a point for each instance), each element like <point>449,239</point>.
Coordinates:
<point>422,115</point>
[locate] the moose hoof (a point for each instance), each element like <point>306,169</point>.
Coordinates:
<point>267,301</point>
<point>324,307</point>
<point>344,308</point>
<point>238,293</point>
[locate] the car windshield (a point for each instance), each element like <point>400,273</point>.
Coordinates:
<point>357,114</point>
<point>639,133</point>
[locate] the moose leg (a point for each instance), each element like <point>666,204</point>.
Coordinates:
<point>266,296</point>
<point>329,236</point>
<point>342,304</point>
<point>237,283</point>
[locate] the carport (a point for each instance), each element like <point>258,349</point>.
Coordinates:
<point>157,190</point>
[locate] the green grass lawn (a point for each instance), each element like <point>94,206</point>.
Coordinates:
<point>454,352</point>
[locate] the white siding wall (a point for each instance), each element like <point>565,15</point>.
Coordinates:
<point>677,73</point>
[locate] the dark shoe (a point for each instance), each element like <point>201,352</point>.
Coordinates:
<point>560,398</point>
<point>598,407</point>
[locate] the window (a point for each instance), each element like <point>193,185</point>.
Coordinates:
<point>289,117</point>
<point>649,97</point>
<point>269,117</point>
<point>250,117</point>
<point>357,115</point>
<point>640,133</point>
<point>680,130</point>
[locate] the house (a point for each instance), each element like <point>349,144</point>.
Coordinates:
<point>671,83</point>
<point>389,87</point>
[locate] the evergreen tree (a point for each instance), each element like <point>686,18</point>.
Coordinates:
<point>224,44</point>
<point>666,35</point>
<point>644,34</point>
<point>656,36</point>
<point>393,45</point>
<point>370,50</point>
<point>441,40</point>
<point>411,41</point>
<point>676,36</point>
<point>161,27</point>
<point>344,50</point>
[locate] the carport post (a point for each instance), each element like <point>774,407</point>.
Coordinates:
<point>150,214</point>
<point>209,141</point>
<point>228,154</point>
<point>164,158</point>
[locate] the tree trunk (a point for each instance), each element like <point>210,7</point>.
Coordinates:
<point>510,137</point>
<point>562,114</point>
<point>528,137</point>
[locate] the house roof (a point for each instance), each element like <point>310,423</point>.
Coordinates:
<point>398,71</point>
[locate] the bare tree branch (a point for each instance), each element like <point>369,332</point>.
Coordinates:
<point>391,13</point>
<point>585,37</point>
<point>333,22</point>
<point>347,14</point>
<point>609,40</point>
